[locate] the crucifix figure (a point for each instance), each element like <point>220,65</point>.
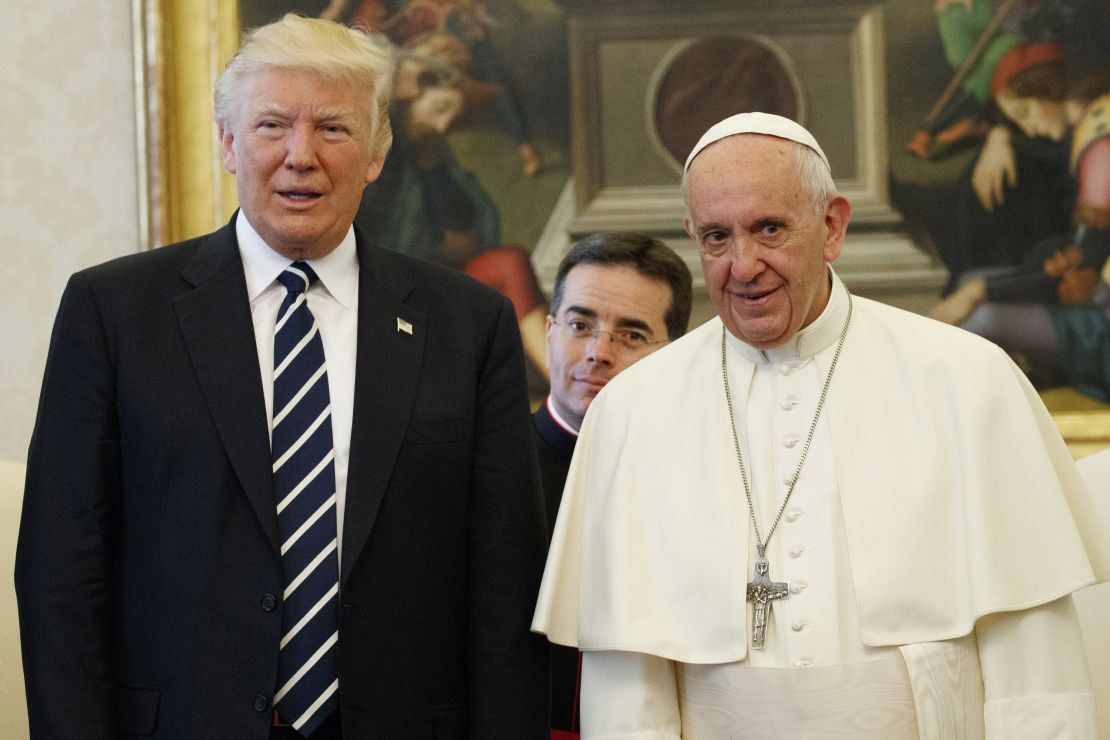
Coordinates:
<point>762,591</point>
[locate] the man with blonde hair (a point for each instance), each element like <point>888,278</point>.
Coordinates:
<point>816,515</point>
<point>282,483</point>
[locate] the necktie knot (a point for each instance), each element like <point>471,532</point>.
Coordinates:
<point>297,277</point>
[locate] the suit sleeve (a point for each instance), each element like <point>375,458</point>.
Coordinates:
<point>509,681</point>
<point>63,572</point>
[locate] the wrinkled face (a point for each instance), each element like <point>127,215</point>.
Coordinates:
<point>432,112</point>
<point>1035,116</point>
<point>762,243</point>
<point>299,147</point>
<point>608,297</point>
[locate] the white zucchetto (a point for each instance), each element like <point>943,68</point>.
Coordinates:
<point>756,123</point>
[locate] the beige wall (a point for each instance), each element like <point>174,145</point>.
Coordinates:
<point>13,701</point>
<point>67,176</point>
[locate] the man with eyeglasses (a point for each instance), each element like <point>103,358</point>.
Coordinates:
<point>618,297</point>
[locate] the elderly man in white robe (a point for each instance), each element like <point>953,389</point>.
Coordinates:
<point>816,515</point>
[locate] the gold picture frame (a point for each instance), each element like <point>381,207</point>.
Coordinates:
<point>180,47</point>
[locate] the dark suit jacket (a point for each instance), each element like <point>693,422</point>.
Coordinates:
<point>148,553</point>
<point>556,448</point>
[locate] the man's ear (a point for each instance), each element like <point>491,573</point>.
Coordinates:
<point>837,216</point>
<point>227,147</point>
<point>374,169</point>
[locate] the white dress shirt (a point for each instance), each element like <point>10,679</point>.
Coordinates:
<point>333,301</point>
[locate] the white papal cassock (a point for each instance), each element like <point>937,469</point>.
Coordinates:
<point>930,547</point>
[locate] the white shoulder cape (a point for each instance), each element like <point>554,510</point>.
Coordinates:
<point>959,497</point>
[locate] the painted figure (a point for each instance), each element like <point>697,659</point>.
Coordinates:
<point>427,205</point>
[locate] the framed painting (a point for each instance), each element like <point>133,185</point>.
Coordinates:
<point>563,117</point>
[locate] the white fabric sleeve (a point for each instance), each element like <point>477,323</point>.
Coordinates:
<point>629,696</point>
<point>1035,678</point>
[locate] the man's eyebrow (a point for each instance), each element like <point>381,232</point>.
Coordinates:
<point>272,109</point>
<point>627,323</point>
<point>623,322</point>
<point>332,114</point>
<point>769,221</point>
<point>589,312</point>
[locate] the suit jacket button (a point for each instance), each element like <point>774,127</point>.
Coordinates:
<point>269,602</point>
<point>261,703</point>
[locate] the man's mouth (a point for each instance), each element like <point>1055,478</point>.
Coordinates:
<point>754,296</point>
<point>594,382</point>
<point>299,196</point>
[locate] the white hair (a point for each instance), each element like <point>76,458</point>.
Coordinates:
<point>814,176</point>
<point>332,50</point>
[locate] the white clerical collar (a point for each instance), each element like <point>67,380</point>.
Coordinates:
<point>821,334</point>
<point>338,270</point>
<point>563,424</point>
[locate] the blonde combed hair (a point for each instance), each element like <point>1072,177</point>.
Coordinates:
<point>358,56</point>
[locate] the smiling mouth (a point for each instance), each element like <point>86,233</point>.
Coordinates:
<point>753,296</point>
<point>299,196</point>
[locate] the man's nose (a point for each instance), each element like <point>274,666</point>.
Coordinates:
<point>601,348</point>
<point>747,263</point>
<point>300,152</point>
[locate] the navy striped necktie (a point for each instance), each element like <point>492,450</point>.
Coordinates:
<point>304,486</point>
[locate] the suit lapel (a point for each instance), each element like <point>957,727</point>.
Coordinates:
<point>387,372</point>
<point>216,323</point>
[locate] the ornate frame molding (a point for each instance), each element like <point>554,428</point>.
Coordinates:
<point>180,47</point>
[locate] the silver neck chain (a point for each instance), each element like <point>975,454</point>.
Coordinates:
<point>760,543</point>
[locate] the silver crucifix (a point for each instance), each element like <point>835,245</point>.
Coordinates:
<point>762,591</point>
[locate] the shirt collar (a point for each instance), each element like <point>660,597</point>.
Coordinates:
<point>338,270</point>
<point>811,340</point>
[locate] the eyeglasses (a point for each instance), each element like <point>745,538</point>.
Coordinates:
<point>581,330</point>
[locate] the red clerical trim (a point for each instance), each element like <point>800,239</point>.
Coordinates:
<point>558,419</point>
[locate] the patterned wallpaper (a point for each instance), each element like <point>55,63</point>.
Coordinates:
<point>67,176</point>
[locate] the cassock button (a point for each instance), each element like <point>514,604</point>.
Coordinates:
<point>789,403</point>
<point>793,514</point>
<point>799,625</point>
<point>261,703</point>
<point>796,551</point>
<point>792,365</point>
<point>269,603</point>
<point>790,441</point>
<point>804,662</point>
<point>798,586</point>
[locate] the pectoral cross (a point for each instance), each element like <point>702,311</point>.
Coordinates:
<point>762,591</point>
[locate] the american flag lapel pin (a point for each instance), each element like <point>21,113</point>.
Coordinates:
<point>404,326</point>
